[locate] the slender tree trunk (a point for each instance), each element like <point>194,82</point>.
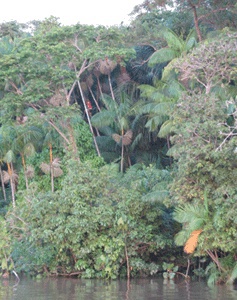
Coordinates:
<point>214,257</point>
<point>194,9</point>
<point>12,185</point>
<point>88,118</point>
<point>73,143</point>
<point>111,88</point>
<point>99,86</point>
<point>24,168</point>
<point>122,158</point>
<point>93,96</point>
<point>51,166</point>
<point>3,186</point>
<point>127,261</point>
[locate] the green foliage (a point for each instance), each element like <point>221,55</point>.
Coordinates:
<point>6,262</point>
<point>85,227</point>
<point>170,270</point>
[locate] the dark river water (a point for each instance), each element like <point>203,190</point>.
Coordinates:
<point>137,289</point>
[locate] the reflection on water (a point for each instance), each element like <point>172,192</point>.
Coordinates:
<point>137,289</point>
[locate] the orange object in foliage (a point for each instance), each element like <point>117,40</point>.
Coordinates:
<point>88,105</point>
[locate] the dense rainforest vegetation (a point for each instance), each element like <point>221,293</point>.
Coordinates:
<point>118,149</point>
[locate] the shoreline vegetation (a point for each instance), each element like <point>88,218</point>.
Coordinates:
<point>118,146</point>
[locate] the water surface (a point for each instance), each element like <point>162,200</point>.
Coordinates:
<point>137,289</point>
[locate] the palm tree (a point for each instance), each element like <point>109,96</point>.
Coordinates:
<point>1,172</point>
<point>10,175</point>
<point>176,47</point>
<point>118,121</point>
<point>28,136</point>
<point>8,134</point>
<point>54,163</point>
<point>194,217</point>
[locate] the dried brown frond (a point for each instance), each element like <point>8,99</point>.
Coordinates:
<point>58,99</point>
<point>30,172</point>
<point>89,81</point>
<point>106,66</point>
<point>45,168</point>
<point>116,137</point>
<point>7,177</point>
<point>127,138</point>
<point>191,243</point>
<point>56,162</point>
<point>57,172</point>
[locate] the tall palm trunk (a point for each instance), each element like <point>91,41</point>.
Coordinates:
<point>3,186</point>
<point>111,88</point>
<point>122,154</point>
<point>51,166</point>
<point>12,184</point>
<point>24,168</point>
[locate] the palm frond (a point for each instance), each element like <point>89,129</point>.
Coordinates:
<point>147,90</point>
<point>117,138</point>
<point>106,66</point>
<point>109,102</point>
<point>9,156</point>
<point>102,118</point>
<point>106,130</point>
<point>56,162</point>
<point>45,168</point>
<point>30,172</point>
<point>162,55</point>
<point>127,138</point>
<point>57,172</point>
<point>166,129</point>
<point>7,177</point>
<point>173,40</point>
<point>153,123</point>
<point>55,168</point>
<point>190,43</point>
<point>147,108</point>
<point>191,40</point>
<point>106,143</point>
<point>136,140</point>
<point>29,149</point>
<point>156,196</point>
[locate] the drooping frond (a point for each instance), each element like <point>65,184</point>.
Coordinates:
<point>30,172</point>
<point>166,128</point>
<point>161,56</point>
<point>136,140</point>
<point>155,121</point>
<point>173,40</point>
<point>156,197</point>
<point>192,242</point>
<point>102,118</point>
<point>117,138</point>
<point>7,177</point>
<point>45,168</point>
<point>9,156</point>
<point>127,138</point>
<point>54,168</point>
